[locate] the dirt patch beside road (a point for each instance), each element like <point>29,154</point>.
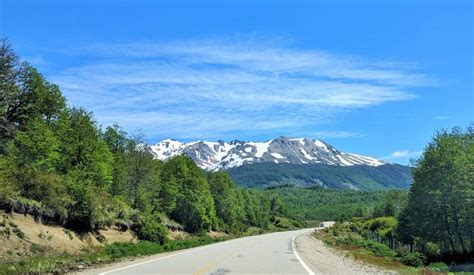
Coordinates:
<point>324,260</point>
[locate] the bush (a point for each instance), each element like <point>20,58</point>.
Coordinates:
<point>413,259</point>
<point>120,250</point>
<point>20,234</point>
<point>349,239</point>
<point>149,228</point>
<point>432,250</point>
<point>439,267</point>
<point>379,249</point>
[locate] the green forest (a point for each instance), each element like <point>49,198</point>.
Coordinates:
<point>360,177</point>
<point>320,204</point>
<point>59,165</point>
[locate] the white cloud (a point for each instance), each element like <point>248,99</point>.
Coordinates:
<point>402,154</point>
<point>216,88</point>
<point>442,117</point>
<point>332,134</point>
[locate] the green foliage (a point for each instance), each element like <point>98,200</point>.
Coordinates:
<point>367,178</point>
<point>440,208</point>
<point>20,234</point>
<point>316,203</point>
<point>379,249</point>
<point>413,259</point>
<point>224,192</point>
<point>194,206</point>
<point>382,226</point>
<point>83,151</point>
<point>439,267</point>
<point>149,228</point>
<point>26,96</point>
<point>36,146</point>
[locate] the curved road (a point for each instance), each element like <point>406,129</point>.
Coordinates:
<point>272,253</point>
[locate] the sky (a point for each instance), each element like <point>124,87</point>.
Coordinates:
<point>377,78</point>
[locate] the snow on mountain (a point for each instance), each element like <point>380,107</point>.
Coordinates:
<point>222,155</point>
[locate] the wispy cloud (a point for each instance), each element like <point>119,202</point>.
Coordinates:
<point>402,154</point>
<point>443,117</point>
<point>217,88</point>
<point>332,134</point>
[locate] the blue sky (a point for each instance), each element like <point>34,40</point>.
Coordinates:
<point>370,77</point>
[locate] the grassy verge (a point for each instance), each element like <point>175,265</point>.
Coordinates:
<point>107,254</point>
<point>362,250</point>
<point>372,252</point>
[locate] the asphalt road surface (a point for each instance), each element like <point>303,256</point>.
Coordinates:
<point>272,253</point>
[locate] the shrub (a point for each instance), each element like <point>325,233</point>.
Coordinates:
<point>379,249</point>
<point>349,239</point>
<point>439,267</point>
<point>149,228</point>
<point>413,259</point>
<point>18,232</point>
<point>432,250</point>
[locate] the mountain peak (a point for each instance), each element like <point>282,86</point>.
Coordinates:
<point>223,155</point>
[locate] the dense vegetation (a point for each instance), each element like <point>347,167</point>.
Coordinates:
<point>57,164</point>
<point>435,222</point>
<point>440,209</point>
<point>360,177</point>
<point>320,204</point>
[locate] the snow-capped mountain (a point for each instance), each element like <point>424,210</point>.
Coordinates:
<point>222,155</point>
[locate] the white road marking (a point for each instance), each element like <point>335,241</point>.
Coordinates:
<point>169,256</point>
<point>310,272</point>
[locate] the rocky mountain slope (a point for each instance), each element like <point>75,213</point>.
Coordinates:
<point>294,161</point>
<point>223,155</point>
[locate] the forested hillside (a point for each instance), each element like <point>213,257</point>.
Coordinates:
<point>57,164</point>
<point>320,204</point>
<point>359,177</point>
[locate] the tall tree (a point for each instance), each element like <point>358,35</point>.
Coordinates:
<point>440,204</point>
<point>84,153</point>
<point>117,142</point>
<point>25,95</point>
<point>224,192</point>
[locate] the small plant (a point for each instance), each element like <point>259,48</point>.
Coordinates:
<point>413,259</point>
<point>20,234</point>
<point>37,249</point>
<point>12,224</point>
<point>439,267</point>
<point>69,234</point>
<point>379,249</point>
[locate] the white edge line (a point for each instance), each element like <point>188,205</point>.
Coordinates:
<point>310,272</point>
<point>168,256</point>
<point>172,255</point>
<point>149,261</point>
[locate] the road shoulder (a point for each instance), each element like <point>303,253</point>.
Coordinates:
<point>324,260</point>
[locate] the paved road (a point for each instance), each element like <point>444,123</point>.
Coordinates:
<point>264,254</point>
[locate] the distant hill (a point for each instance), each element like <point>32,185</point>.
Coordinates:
<point>357,177</point>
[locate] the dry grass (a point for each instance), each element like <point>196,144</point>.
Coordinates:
<point>40,239</point>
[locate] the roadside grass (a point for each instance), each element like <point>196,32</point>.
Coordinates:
<point>370,252</point>
<point>99,255</point>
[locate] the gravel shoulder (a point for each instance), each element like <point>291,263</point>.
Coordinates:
<point>324,260</point>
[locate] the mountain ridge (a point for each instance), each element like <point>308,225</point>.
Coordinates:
<point>225,155</point>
